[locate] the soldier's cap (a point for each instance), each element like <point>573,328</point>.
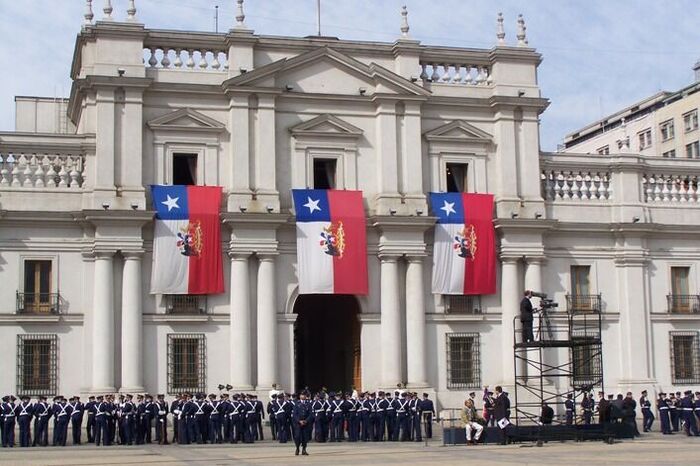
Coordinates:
<point>91,397</point>
<point>129,396</point>
<point>644,392</point>
<point>76,397</point>
<point>381,393</point>
<point>42,398</point>
<point>139,396</point>
<point>12,397</point>
<point>697,393</point>
<point>688,392</point>
<point>150,397</point>
<point>611,396</point>
<point>99,397</point>
<point>160,395</point>
<point>678,393</point>
<point>55,398</point>
<point>396,392</point>
<point>470,394</point>
<point>662,393</point>
<point>211,395</point>
<point>569,395</point>
<point>225,395</point>
<point>6,398</point>
<point>273,396</point>
<point>24,397</point>
<point>403,394</point>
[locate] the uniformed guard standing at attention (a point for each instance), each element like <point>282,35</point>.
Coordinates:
<point>570,408</point>
<point>587,408</point>
<point>428,409</point>
<point>673,410</point>
<point>280,413</point>
<point>25,411</point>
<point>402,418</point>
<point>237,419</point>
<point>128,420</point>
<point>687,406</point>
<point>317,406</point>
<point>101,434</point>
<point>62,412</point>
<point>664,419</point>
<point>302,419</point>
<point>161,420</point>
<point>416,413</point>
<point>270,410</point>
<point>251,424</point>
<point>90,425</point>
<point>186,421</point>
<point>391,419</point>
<point>41,422</point>
<point>365,411</point>
<point>215,421</point>
<point>351,416</point>
<point>259,416</point>
<point>647,415</point>
<point>8,422</point>
<point>76,419</point>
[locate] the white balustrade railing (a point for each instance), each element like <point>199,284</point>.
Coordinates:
<point>576,185</point>
<point>21,171</point>
<point>206,59</point>
<point>671,188</point>
<point>455,73</point>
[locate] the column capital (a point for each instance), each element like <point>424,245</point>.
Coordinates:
<point>510,259</point>
<point>388,257</point>
<point>416,258</point>
<point>133,255</point>
<point>535,260</point>
<point>267,256</point>
<point>239,255</point>
<point>103,253</point>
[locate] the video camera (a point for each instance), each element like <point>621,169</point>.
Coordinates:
<point>545,302</point>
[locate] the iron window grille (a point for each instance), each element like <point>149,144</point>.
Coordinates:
<point>186,304</point>
<point>685,358</point>
<point>583,302</point>
<point>587,361</point>
<point>37,364</point>
<point>186,363</point>
<point>462,304</point>
<point>463,361</point>
<point>683,303</point>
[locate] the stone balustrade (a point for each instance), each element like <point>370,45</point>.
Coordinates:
<point>455,73</point>
<point>576,185</point>
<point>50,171</point>
<point>186,58</point>
<point>663,188</point>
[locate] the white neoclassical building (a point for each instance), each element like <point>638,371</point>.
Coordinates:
<point>260,115</point>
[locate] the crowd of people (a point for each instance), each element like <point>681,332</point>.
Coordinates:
<point>123,420</point>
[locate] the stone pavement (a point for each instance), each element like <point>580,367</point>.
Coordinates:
<point>652,449</point>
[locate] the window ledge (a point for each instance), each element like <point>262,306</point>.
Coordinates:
<point>486,317</point>
<point>6,319</point>
<point>203,318</point>
<point>666,317</point>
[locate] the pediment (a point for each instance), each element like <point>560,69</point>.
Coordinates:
<point>186,119</point>
<point>459,131</point>
<point>326,125</point>
<point>326,71</point>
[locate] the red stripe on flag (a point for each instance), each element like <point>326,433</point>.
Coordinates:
<point>206,271</point>
<point>350,270</point>
<point>480,273</point>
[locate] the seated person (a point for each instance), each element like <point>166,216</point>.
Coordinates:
<point>470,420</point>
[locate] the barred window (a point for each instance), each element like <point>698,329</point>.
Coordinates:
<point>463,360</point>
<point>587,361</point>
<point>37,364</point>
<point>462,304</point>
<point>685,358</point>
<point>186,362</point>
<point>186,304</point>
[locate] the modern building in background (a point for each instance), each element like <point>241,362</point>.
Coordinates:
<point>260,115</point>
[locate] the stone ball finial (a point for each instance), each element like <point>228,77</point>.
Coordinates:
<point>131,11</point>
<point>89,15</point>
<point>107,10</point>
<point>240,15</point>
<point>404,21</point>
<point>500,30</point>
<point>522,32</point>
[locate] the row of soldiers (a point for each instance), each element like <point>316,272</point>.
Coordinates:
<point>230,418</point>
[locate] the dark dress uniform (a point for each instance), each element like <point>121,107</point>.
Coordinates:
<point>76,420</point>
<point>647,415</point>
<point>42,413</point>
<point>161,420</point>
<point>25,411</point>
<point>570,407</point>
<point>501,410</point>
<point>428,414</point>
<point>90,425</point>
<point>664,418</point>
<point>8,422</point>
<point>302,420</point>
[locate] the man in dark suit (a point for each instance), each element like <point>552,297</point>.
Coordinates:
<point>302,422</point>
<point>526,317</point>
<point>502,412</point>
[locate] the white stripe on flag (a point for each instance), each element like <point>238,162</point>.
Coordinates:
<point>314,267</point>
<point>170,274</point>
<point>448,267</point>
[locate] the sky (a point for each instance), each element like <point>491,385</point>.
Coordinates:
<point>599,55</point>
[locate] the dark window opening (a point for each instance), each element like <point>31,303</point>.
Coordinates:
<point>37,286</point>
<point>184,169</point>
<point>37,364</point>
<point>463,360</point>
<point>186,363</point>
<point>324,173</point>
<point>456,177</point>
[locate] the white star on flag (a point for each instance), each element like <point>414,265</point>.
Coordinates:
<point>171,203</point>
<point>448,208</point>
<point>312,205</point>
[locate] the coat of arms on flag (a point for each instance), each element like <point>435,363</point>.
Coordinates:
<point>331,241</point>
<point>187,240</point>
<point>464,254</point>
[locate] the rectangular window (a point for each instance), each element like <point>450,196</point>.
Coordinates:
<point>186,363</point>
<point>462,304</point>
<point>605,150</point>
<point>644,139</point>
<point>184,169</point>
<point>37,287</point>
<point>685,358</point>
<point>37,364</point>
<point>587,361</point>
<point>680,300</point>
<point>690,121</point>
<point>670,154</point>
<point>325,173</point>
<point>581,298</point>
<point>667,130</point>
<point>185,304</point>
<point>456,175</point>
<point>463,360</point>
<point>692,150</point>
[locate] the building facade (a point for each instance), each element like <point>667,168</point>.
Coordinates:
<point>261,115</point>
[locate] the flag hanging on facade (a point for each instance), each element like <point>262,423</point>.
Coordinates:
<point>464,253</point>
<point>187,240</point>
<point>331,241</point>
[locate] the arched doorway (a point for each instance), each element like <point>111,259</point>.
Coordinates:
<point>327,342</point>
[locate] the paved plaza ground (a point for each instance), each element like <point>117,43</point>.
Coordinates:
<point>651,449</point>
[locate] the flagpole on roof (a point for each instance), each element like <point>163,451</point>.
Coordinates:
<point>318,16</point>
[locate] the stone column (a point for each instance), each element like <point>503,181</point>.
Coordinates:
<point>509,310</point>
<point>240,331</point>
<point>132,325</point>
<point>390,322</point>
<point>103,324</point>
<point>267,323</point>
<point>415,323</point>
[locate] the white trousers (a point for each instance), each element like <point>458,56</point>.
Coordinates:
<point>476,427</point>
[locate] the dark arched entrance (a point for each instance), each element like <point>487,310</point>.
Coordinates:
<point>327,342</point>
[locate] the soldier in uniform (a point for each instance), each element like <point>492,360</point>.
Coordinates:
<point>101,432</point>
<point>416,411</point>
<point>8,421</point>
<point>41,422</point>
<point>674,411</point>
<point>259,416</point>
<point>402,418</point>
<point>317,406</point>
<point>25,411</point>
<point>215,420</point>
<point>351,416</point>
<point>570,407</point>
<point>90,426</point>
<point>428,414</point>
<point>302,419</point>
<point>647,415</point>
<point>161,407</point>
<point>279,412</point>
<point>697,406</point>
<point>662,406</point>
<point>127,423</point>
<point>76,418</point>
<point>176,409</point>
<point>186,420</point>
<point>338,409</point>
<point>62,412</point>
<point>270,413</point>
<point>587,408</point>
<point>364,412</point>
<point>201,415</point>
<point>382,414</point>
<point>250,411</point>
<point>687,407</point>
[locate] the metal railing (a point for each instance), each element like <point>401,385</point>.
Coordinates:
<point>38,303</point>
<point>185,304</point>
<point>583,302</point>
<point>462,304</point>
<point>683,303</point>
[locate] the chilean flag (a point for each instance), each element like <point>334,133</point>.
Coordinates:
<point>187,240</point>
<point>331,242</point>
<point>464,254</point>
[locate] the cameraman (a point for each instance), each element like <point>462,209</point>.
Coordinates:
<point>526,317</point>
